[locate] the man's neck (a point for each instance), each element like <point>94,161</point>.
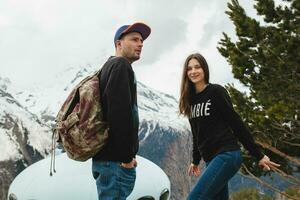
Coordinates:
<point>120,55</point>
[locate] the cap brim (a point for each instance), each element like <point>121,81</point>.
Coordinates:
<point>141,28</point>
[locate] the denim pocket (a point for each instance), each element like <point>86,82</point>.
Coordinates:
<point>128,173</point>
<point>127,177</point>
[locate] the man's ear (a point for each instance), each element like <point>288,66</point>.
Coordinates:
<point>118,43</point>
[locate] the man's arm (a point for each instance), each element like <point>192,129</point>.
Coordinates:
<point>119,110</point>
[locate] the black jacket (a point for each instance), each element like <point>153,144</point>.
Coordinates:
<point>119,104</point>
<point>216,127</point>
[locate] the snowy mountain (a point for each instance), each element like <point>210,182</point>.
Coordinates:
<point>154,106</point>
<point>164,136</point>
<point>19,127</point>
<point>45,99</point>
<point>23,138</point>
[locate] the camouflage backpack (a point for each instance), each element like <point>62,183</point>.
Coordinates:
<point>79,125</point>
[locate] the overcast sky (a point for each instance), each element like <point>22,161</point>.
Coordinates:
<point>39,39</point>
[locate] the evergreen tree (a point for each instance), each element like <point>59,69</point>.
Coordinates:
<point>266,59</point>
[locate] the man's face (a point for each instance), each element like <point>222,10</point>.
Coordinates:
<point>130,46</point>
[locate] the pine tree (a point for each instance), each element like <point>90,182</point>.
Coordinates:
<point>266,59</point>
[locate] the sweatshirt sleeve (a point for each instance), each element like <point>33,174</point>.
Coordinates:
<point>195,151</point>
<point>119,111</point>
<point>225,107</point>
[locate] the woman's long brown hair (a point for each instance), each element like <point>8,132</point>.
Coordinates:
<point>187,88</point>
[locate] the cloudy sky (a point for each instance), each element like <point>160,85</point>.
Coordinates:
<point>42,38</point>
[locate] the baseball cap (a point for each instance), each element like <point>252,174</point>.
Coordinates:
<point>139,27</point>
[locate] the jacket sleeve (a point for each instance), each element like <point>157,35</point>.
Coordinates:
<point>119,109</point>
<point>195,151</point>
<point>225,107</point>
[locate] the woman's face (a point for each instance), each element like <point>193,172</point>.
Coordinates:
<point>195,72</point>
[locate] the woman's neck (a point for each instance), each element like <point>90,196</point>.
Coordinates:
<point>200,87</point>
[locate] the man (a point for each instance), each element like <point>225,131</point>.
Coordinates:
<point>114,166</point>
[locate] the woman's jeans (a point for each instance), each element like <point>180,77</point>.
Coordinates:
<point>213,183</point>
<point>113,181</point>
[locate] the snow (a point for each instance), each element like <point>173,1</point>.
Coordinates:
<point>154,106</point>
<point>8,147</point>
<point>10,113</point>
<point>27,105</point>
<point>157,107</point>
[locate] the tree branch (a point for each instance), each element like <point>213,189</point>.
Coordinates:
<point>265,184</point>
<point>292,144</point>
<point>284,175</point>
<point>276,151</point>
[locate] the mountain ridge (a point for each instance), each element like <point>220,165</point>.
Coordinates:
<point>160,124</point>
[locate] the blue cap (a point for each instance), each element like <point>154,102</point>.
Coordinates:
<point>141,28</point>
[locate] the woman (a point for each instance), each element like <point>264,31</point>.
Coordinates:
<point>216,129</point>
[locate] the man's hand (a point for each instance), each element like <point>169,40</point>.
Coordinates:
<point>129,165</point>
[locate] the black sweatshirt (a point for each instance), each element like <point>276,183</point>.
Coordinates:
<point>119,104</point>
<point>216,127</point>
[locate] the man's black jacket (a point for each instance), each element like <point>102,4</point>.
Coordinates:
<point>119,104</point>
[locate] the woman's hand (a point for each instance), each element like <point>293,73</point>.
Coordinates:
<point>194,170</point>
<point>267,164</point>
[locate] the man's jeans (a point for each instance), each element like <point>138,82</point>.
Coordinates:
<point>213,183</point>
<point>113,181</point>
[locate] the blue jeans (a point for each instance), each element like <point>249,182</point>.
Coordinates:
<point>113,181</point>
<point>213,183</point>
